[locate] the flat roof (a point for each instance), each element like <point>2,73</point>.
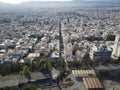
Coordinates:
<point>92,83</point>
<point>83,72</point>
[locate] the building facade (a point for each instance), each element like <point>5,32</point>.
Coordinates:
<point>116,47</point>
<point>100,52</point>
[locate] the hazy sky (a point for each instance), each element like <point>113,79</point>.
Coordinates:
<point>19,1</point>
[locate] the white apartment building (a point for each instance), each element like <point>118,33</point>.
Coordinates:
<point>100,52</point>
<point>116,47</point>
<point>68,49</point>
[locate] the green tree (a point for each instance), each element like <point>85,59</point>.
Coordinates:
<point>6,70</point>
<point>76,63</point>
<point>15,68</point>
<point>11,88</point>
<point>84,67</point>
<point>6,88</point>
<point>45,64</point>
<point>14,88</point>
<point>98,74</point>
<point>29,87</point>
<point>60,63</point>
<point>25,70</point>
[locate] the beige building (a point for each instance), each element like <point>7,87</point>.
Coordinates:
<point>68,49</point>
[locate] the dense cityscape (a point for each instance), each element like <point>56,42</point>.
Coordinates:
<point>77,49</point>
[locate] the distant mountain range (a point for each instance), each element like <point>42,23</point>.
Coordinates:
<point>55,4</point>
<point>52,3</point>
<point>1,3</point>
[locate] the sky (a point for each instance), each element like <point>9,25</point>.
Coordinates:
<point>19,1</point>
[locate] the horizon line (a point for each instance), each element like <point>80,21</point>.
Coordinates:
<point>23,1</point>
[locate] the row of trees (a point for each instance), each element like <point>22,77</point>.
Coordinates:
<point>14,69</point>
<point>38,64</point>
<point>10,69</point>
<point>25,87</point>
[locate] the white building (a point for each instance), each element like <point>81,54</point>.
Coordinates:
<point>116,47</point>
<point>33,55</point>
<point>101,52</point>
<point>68,49</point>
<point>55,55</point>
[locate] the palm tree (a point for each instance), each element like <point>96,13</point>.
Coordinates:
<point>42,64</point>
<point>45,64</point>
<point>25,70</point>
